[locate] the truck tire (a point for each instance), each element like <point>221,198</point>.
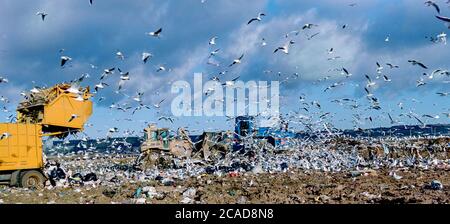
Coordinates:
<point>32,179</point>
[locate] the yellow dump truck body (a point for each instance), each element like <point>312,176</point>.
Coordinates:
<point>22,149</point>
<point>55,106</point>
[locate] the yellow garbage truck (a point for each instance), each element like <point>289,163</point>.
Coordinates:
<point>56,111</point>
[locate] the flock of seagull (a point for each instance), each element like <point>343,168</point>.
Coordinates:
<point>296,117</point>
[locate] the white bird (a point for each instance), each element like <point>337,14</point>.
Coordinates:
<point>263,42</point>
<point>284,48</point>
<point>212,41</point>
<point>420,82</point>
<point>120,55</point>
<point>258,18</point>
<point>213,53</point>
<point>432,3</point>
<point>72,117</point>
<point>161,68</point>
<point>237,61</point>
<point>369,81</point>
<point>64,60</point>
<point>155,33</point>
<point>5,135</point>
<point>345,71</point>
<point>443,93</point>
<point>107,72</point>
<point>379,68</point>
<point>414,62</point>
<point>165,118</point>
<point>158,105</point>
<point>101,85</point>
<point>442,37</point>
<point>3,80</point>
<point>308,26</point>
<point>42,14</point>
<point>146,56</point>
<point>35,90</point>
<point>124,76</point>
<point>391,66</point>
<point>138,97</point>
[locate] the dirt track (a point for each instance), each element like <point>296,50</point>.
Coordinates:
<point>290,187</point>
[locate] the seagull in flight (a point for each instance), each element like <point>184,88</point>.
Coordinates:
<point>107,72</point>
<point>213,53</point>
<point>64,60</point>
<point>414,62</point>
<point>237,61</point>
<point>42,14</point>
<point>284,48</point>
<point>101,85</point>
<point>72,117</point>
<point>443,94</point>
<point>91,2</point>
<point>432,3</point>
<point>120,55</point>
<point>5,135</point>
<point>3,80</point>
<point>391,66</point>
<point>146,56</point>
<point>308,26</point>
<point>155,33</point>
<point>212,41</point>
<point>165,118</point>
<point>258,18</point>
<point>158,105</point>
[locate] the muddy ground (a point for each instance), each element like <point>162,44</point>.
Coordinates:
<point>288,187</point>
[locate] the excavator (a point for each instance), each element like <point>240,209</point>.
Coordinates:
<point>51,112</point>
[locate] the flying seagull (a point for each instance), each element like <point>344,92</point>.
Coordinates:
<point>5,136</point>
<point>165,118</point>
<point>101,85</point>
<point>72,117</point>
<point>284,48</point>
<point>120,55</point>
<point>3,80</point>
<point>155,33</point>
<point>64,60</point>
<point>42,14</point>
<point>212,53</point>
<point>237,61</point>
<point>391,66</point>
<point>158,105</point>
<point>91,2</point>
<point>443,18</point>
<point>308,26</point>
<point>414,62</point>
<point>431,3</point>
<point>212,41</point>
<point>146,56</point>
<point>107,72</point>
<point>258,18</point>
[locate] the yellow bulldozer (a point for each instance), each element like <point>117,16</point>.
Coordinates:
<point>158,141</point>
<point>56,111</point>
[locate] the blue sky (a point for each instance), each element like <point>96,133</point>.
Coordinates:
<point>29,51</point>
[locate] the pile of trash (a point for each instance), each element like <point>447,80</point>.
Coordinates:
<point>332,155</point>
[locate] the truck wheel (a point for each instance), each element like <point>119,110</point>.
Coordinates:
<point>32,179</point>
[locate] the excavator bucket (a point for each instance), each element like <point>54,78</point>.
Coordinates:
<point>61,108</point>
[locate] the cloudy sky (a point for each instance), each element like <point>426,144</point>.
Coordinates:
<point>92,34</point>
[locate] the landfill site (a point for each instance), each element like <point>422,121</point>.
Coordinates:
<point>359,108</point>
<point>258,166</point>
